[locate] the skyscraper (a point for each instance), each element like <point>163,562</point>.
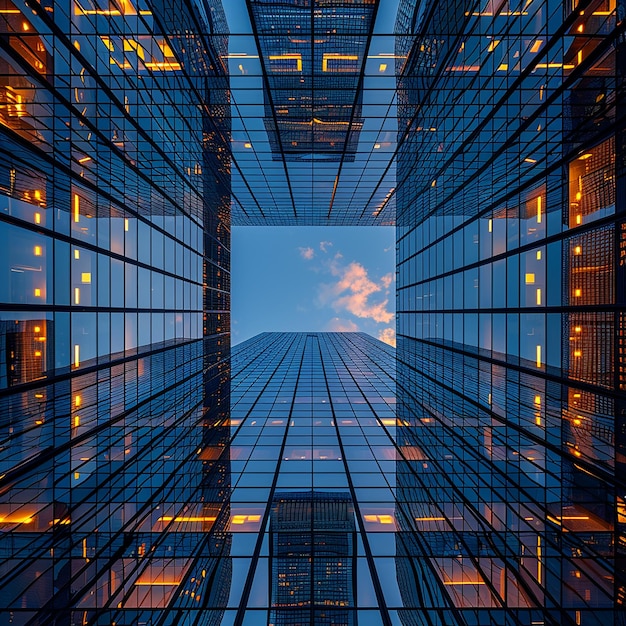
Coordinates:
<point>313,470</point>
<point>114,314</point>
<point>313,558</point>
<point>150,476</point>
<point>510,201</point>
<point>313,54</point>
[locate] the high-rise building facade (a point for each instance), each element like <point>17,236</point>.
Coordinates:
<point>114,310</point>
<point>313,55</point>
<point>313,462</point>
<point>510,228</point>
<point>477,480</point>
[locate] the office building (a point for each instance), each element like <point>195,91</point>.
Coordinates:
<point>313,558</point>
<point>312,54</point>
<point>313,478</point>
<point>151,475</point>
<point>114,314</point>
<point>510,374</point>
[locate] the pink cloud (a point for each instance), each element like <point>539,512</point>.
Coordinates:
<point>324,245</point>
<point>338,325</point>
<point>388,335</point>
<point>386,280</point>
<point>353,290</point>
<point>307,253</point>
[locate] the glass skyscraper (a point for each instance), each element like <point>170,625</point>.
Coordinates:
<point>150,474</point>
<point>510,321</point>
<point>114,309</point>
<point>313,54</point>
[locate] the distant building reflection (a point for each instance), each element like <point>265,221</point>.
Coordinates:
<point>313,559</point>
<point>313,53</point>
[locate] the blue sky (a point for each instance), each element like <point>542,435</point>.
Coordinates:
<point>313,279</point>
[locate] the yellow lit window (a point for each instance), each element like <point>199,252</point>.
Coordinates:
<point>76,208</point>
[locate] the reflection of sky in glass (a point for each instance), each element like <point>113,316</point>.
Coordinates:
<point>270,191</point>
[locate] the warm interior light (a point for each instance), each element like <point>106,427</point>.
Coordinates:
<point>243,519</point>
<point>169,518</point>
<point>333,56</point>
<point>85,278</point>
<point>538,299</point>
<point>37,293</point>
<point>126,224</point>
<point>37,251</point>
<point>578,292</point>
<point>37,218</point>
<point>538,209</point>
<point>76,295</point>
<point>578,250</point>
<point>16,520</point>
<point>286,57</point>
<point>382,67</point>
<point>536,45</point>
<point>76,207</point>
<point>381,519</point>
<point>538,356</point>
<point>76,355</point>
<point>530,279</point>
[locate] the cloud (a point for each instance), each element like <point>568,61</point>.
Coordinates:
<point>388,335</point>
<point>307,253</point>
<point>324,245</point>
<point>352,292</point>
<point>386,280</point>
<point>338,325</point>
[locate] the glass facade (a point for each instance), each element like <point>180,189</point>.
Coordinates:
<point>114,310</point>
<point>150,475</point>
<point>509,221</point>
<point>313,464</point>
<point>313,62</point>
<point>314,113</point>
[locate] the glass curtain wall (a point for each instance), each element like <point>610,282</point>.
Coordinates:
<point>114,281</point>
<point>510,375</point>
